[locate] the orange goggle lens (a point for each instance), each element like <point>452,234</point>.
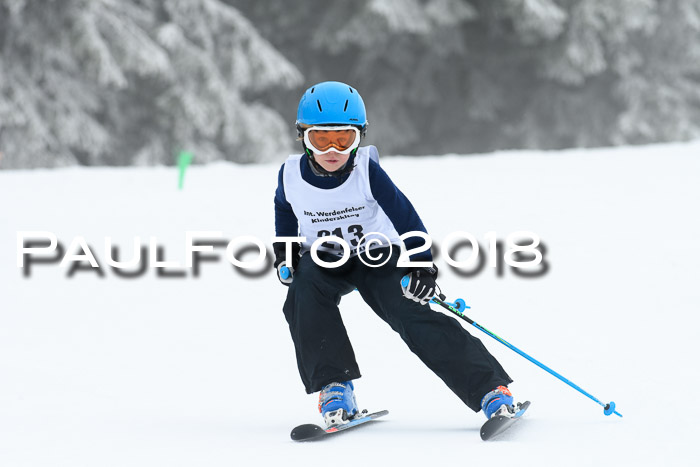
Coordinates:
<point>323,140</point>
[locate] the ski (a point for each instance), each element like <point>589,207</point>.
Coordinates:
<point>311,432</point>
<point>500,423</point>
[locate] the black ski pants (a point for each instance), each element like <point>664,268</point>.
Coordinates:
<point>323,350</point>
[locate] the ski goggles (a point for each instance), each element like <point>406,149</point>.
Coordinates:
<point>324,139</point>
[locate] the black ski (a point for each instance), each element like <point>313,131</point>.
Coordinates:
<point>311,432</point>
<point>500,423</point>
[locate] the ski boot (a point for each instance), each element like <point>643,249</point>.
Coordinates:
<point>337,404</point>
<point>498,402</point>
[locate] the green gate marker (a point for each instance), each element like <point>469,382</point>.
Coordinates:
<point>183,161</point>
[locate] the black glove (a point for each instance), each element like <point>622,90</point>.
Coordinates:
<point>281,261</point>
<point>421,285</point>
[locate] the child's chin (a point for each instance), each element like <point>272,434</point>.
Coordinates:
<point>331,167</point>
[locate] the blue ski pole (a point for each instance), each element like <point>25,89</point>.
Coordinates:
<point>608,409</point>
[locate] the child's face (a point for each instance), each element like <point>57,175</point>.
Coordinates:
<point>331,161</point>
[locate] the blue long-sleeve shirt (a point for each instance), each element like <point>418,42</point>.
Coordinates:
<point>393,202</point>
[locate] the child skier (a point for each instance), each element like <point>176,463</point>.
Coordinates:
<point>338,188</point>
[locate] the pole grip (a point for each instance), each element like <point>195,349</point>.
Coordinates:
<point>285,273</point>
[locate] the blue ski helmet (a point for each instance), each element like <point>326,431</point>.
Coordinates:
<point>332,103</point>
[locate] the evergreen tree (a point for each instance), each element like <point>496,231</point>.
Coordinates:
<point>661,86</point>
<point>120,82</point>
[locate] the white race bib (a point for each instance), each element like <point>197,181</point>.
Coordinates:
<point>348,211</point>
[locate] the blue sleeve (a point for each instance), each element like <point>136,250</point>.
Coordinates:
<point>286,223</point>
<point>398,208</point>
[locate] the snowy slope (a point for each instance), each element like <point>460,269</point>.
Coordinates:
<point>106,371</point>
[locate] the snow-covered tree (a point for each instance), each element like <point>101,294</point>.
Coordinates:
<point>120,82</point>
<point>620,72</point>
<point>660,88</point>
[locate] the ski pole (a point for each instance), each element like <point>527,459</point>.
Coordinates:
<point>608,409</point>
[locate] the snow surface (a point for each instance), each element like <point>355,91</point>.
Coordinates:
<point>154,371</point>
